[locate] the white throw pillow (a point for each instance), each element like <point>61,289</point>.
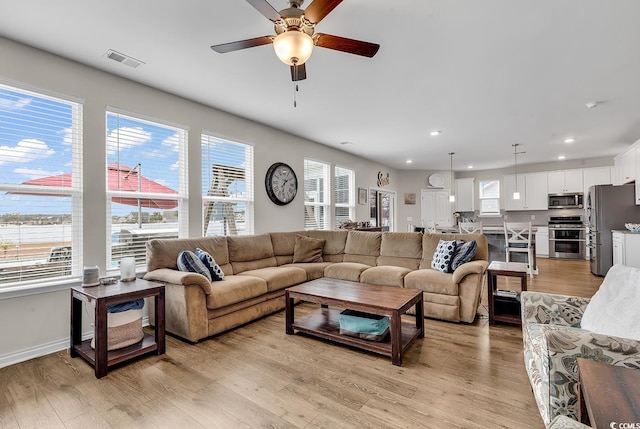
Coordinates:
<point>613,310</point>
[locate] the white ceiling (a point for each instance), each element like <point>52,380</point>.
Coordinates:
<point>487,73</point>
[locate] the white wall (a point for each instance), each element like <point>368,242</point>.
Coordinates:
<point>38,324</point>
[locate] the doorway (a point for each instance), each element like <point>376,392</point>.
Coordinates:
<point>382,209</point>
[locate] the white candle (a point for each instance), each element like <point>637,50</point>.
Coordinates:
<point>128,269</point>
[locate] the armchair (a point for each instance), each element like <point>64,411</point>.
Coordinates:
<point>553,339</point>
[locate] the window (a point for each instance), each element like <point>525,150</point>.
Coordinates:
<point>344,199</point>
<point>227,187</point>
<point>40,187</point>
<point>316,195</point>
<point>146,184</point>
<point>489,196</point>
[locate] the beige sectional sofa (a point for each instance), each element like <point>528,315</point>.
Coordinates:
<point>258,269</point>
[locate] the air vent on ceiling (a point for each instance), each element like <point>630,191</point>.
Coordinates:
<point>122,58</point>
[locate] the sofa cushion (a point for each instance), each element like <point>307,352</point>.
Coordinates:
<point>345,271</point>
<point>433,281</point>
<point>283,243</point>
<point>430,243</point>
<point>613,310</point>
<point>250,252</point>
<point>464,253</point>
<point>190,262</point>
<point>443,256</point>
<point>307,249</point>
<point>278,277</point>
<point>163,253</point>
<point>314,270</point>
<point>402,249</point>
<point>362,247</point>
<point>235,289</point>
<point>335,242</point>
<point>384,275</point>
<point>208,261</point>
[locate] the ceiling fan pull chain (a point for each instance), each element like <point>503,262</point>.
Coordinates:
<point>295,90</point>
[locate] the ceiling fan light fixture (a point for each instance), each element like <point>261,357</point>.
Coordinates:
<point>293,47</point>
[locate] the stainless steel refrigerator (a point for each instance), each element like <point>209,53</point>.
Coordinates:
<point>608,207</point>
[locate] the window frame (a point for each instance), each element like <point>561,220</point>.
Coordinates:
<point>248,200</point>
<point>74,191</point>
<point>482,198</point>
<point>325,205</point>
<point>350,204</point>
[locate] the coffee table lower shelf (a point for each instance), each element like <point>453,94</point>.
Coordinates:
<point>325,323</point>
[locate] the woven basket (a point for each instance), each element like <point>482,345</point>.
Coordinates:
<point>122,334</point>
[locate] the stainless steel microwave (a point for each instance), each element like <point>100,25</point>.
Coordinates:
<point>570,200</point>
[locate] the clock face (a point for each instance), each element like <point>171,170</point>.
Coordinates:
<point>281,183</point>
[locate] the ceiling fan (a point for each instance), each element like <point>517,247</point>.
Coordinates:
<point>295,37</point>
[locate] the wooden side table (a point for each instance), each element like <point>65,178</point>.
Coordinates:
<point>505,309</point>
<point>103,296</point>
<point>608,395</point>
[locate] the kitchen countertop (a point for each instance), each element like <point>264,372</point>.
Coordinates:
<point>490,229</point>
<point>624,231</point>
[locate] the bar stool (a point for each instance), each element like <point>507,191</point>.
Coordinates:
<point>517,237</point>
<point>470,227</point>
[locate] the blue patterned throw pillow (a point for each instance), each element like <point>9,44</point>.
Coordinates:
<point>464,253</point>
<point>189,261</point>
<point>208,261</point>
<point>443,255</point>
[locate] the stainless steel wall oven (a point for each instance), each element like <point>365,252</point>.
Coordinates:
<point>567,237</point>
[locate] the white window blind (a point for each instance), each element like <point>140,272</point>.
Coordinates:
<point>316,195</point>
<point>227,187</point>
<point>40,187</point>
<point>344,198</point>
<point>146,184</point>
<point>489,196</point>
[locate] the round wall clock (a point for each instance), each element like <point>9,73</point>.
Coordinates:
<point>281,183</point>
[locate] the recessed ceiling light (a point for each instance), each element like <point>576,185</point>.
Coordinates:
<point>592,104</point>
<point>409,161</point>
<point>569,140</point>
<point>436,133</point>
<point>561,157</point>
<point>469,166</point>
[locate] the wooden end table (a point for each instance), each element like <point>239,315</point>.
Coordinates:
<point>382,300</point>
<point>504,309</point>
<point>103,296</point>
<point>608,394</point>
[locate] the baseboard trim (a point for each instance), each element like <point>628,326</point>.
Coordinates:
<point>45,349</point>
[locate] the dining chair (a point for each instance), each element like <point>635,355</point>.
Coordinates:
<point>517,237</point>
<point>430,226</point>
<point>470,227</point>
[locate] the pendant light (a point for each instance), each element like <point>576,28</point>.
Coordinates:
<point>516,194</point>
<point>452,196</point>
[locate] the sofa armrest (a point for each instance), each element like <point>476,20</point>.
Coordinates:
<point>170,276</point>
<point>547,308</point>
<point>560,347</point>
<point>471,267</point>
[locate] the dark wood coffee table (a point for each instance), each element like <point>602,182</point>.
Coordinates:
<point>373,299</point>
<point>608,394</point>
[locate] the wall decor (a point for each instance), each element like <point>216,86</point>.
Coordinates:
<point>281,183</point>
<point>362,195</point>
<point>410,198</point>
<point>382,179</point>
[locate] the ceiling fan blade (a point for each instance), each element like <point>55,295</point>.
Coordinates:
<point>242,44</point>
<point>318,9</point>
<point>351,46</point>
<point>266,9</point>
<point>298,73</point>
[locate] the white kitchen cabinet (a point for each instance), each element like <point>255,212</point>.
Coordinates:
<point>637,167</point>
<point>542,241</point>
<point>435,206</point>
<point>532,188</point>
<point>596,176</point>
<point>465,194</point>
<point>625,167</point>
<point>565,181</point>
<point>626,249</point>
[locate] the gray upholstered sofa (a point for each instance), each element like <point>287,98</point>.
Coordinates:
<point>258,269</point>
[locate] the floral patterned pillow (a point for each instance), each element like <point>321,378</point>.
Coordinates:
<point>443,255</point>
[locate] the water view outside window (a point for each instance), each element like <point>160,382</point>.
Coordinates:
<point>146,184</point>
<point>40,187</point>
<point>227,187</point>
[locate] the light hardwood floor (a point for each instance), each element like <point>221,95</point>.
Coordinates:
<point>458,376</point>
